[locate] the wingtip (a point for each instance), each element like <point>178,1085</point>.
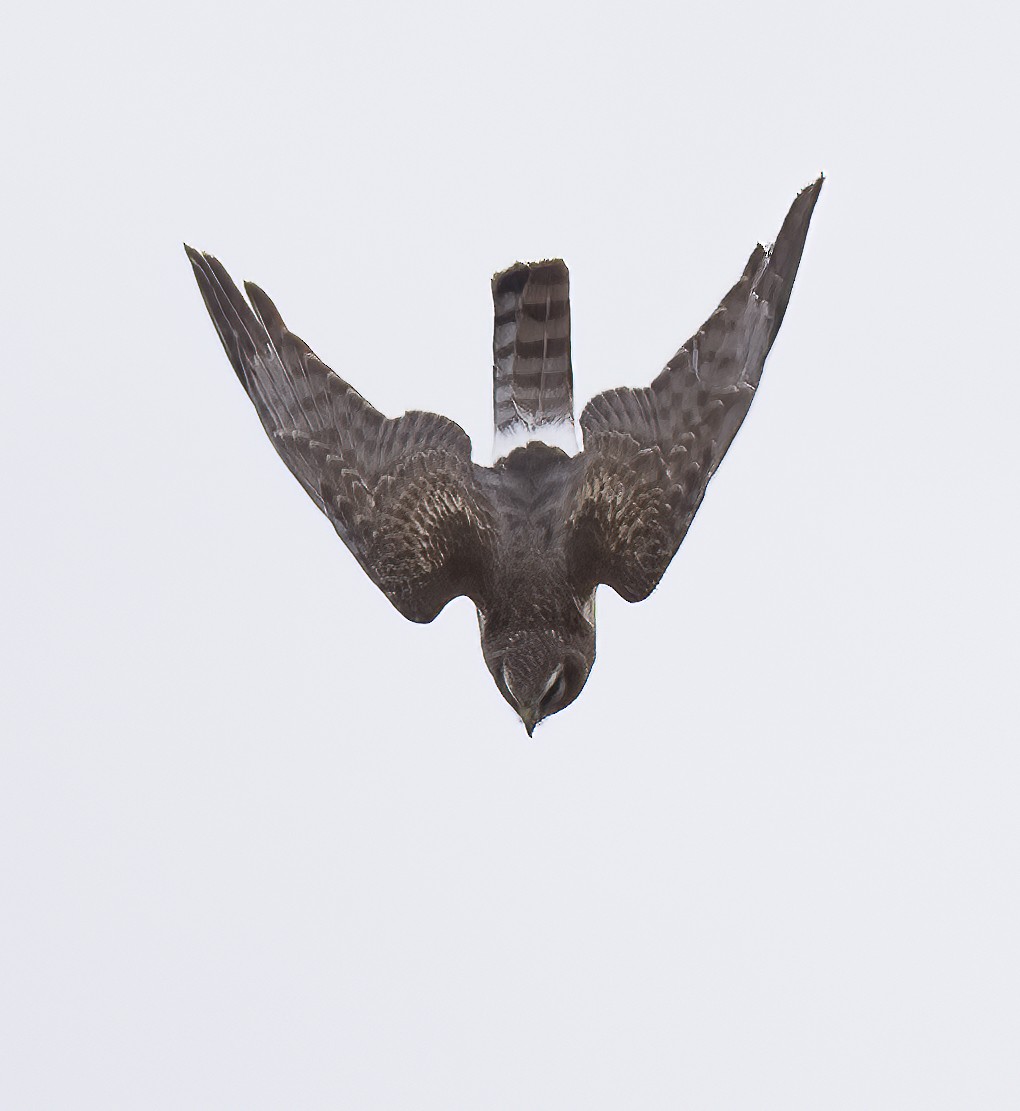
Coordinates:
<point>800,212</point>
<point>785,254</point>
<point>202,259</point>
<point>811,191</point>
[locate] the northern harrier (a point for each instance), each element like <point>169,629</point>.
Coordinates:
<point>529,539</point>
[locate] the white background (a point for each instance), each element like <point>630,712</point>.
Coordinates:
<point>264,844</point>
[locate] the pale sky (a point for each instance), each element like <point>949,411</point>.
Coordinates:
<point>263,843</point>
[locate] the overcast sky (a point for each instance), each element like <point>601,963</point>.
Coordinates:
<point>263,843</point>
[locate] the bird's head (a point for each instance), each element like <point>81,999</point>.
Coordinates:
<point>539,673</point>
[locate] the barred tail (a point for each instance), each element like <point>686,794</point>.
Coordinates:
<point>533,384</point>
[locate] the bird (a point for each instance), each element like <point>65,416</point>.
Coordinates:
<point>530,538</point>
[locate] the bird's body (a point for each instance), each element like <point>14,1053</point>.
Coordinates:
<point>536,613</point>
<point>530,538</point>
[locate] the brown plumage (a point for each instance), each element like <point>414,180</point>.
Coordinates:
<point>530,539</point>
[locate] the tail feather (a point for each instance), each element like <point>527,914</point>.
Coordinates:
<point>533,383</point>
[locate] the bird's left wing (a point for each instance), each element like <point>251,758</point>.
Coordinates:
<point>401,493</point>
<point>649,453</point>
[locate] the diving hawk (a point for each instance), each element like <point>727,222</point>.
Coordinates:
<point>530,538</point>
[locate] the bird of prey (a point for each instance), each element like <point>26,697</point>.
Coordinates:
<point>530,538</point>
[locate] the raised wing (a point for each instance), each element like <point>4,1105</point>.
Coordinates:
<point>649,453</point>
<point>401,493</point>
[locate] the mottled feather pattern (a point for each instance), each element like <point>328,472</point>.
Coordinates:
<point>416,528</point>
<point>530,539</point>
<point>348,456</point>
<point>622,522</point>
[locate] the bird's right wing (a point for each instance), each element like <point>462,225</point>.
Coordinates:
<point>401,493</point>
<point>649,453</point>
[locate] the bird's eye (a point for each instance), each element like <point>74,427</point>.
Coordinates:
<point>556,690</point>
